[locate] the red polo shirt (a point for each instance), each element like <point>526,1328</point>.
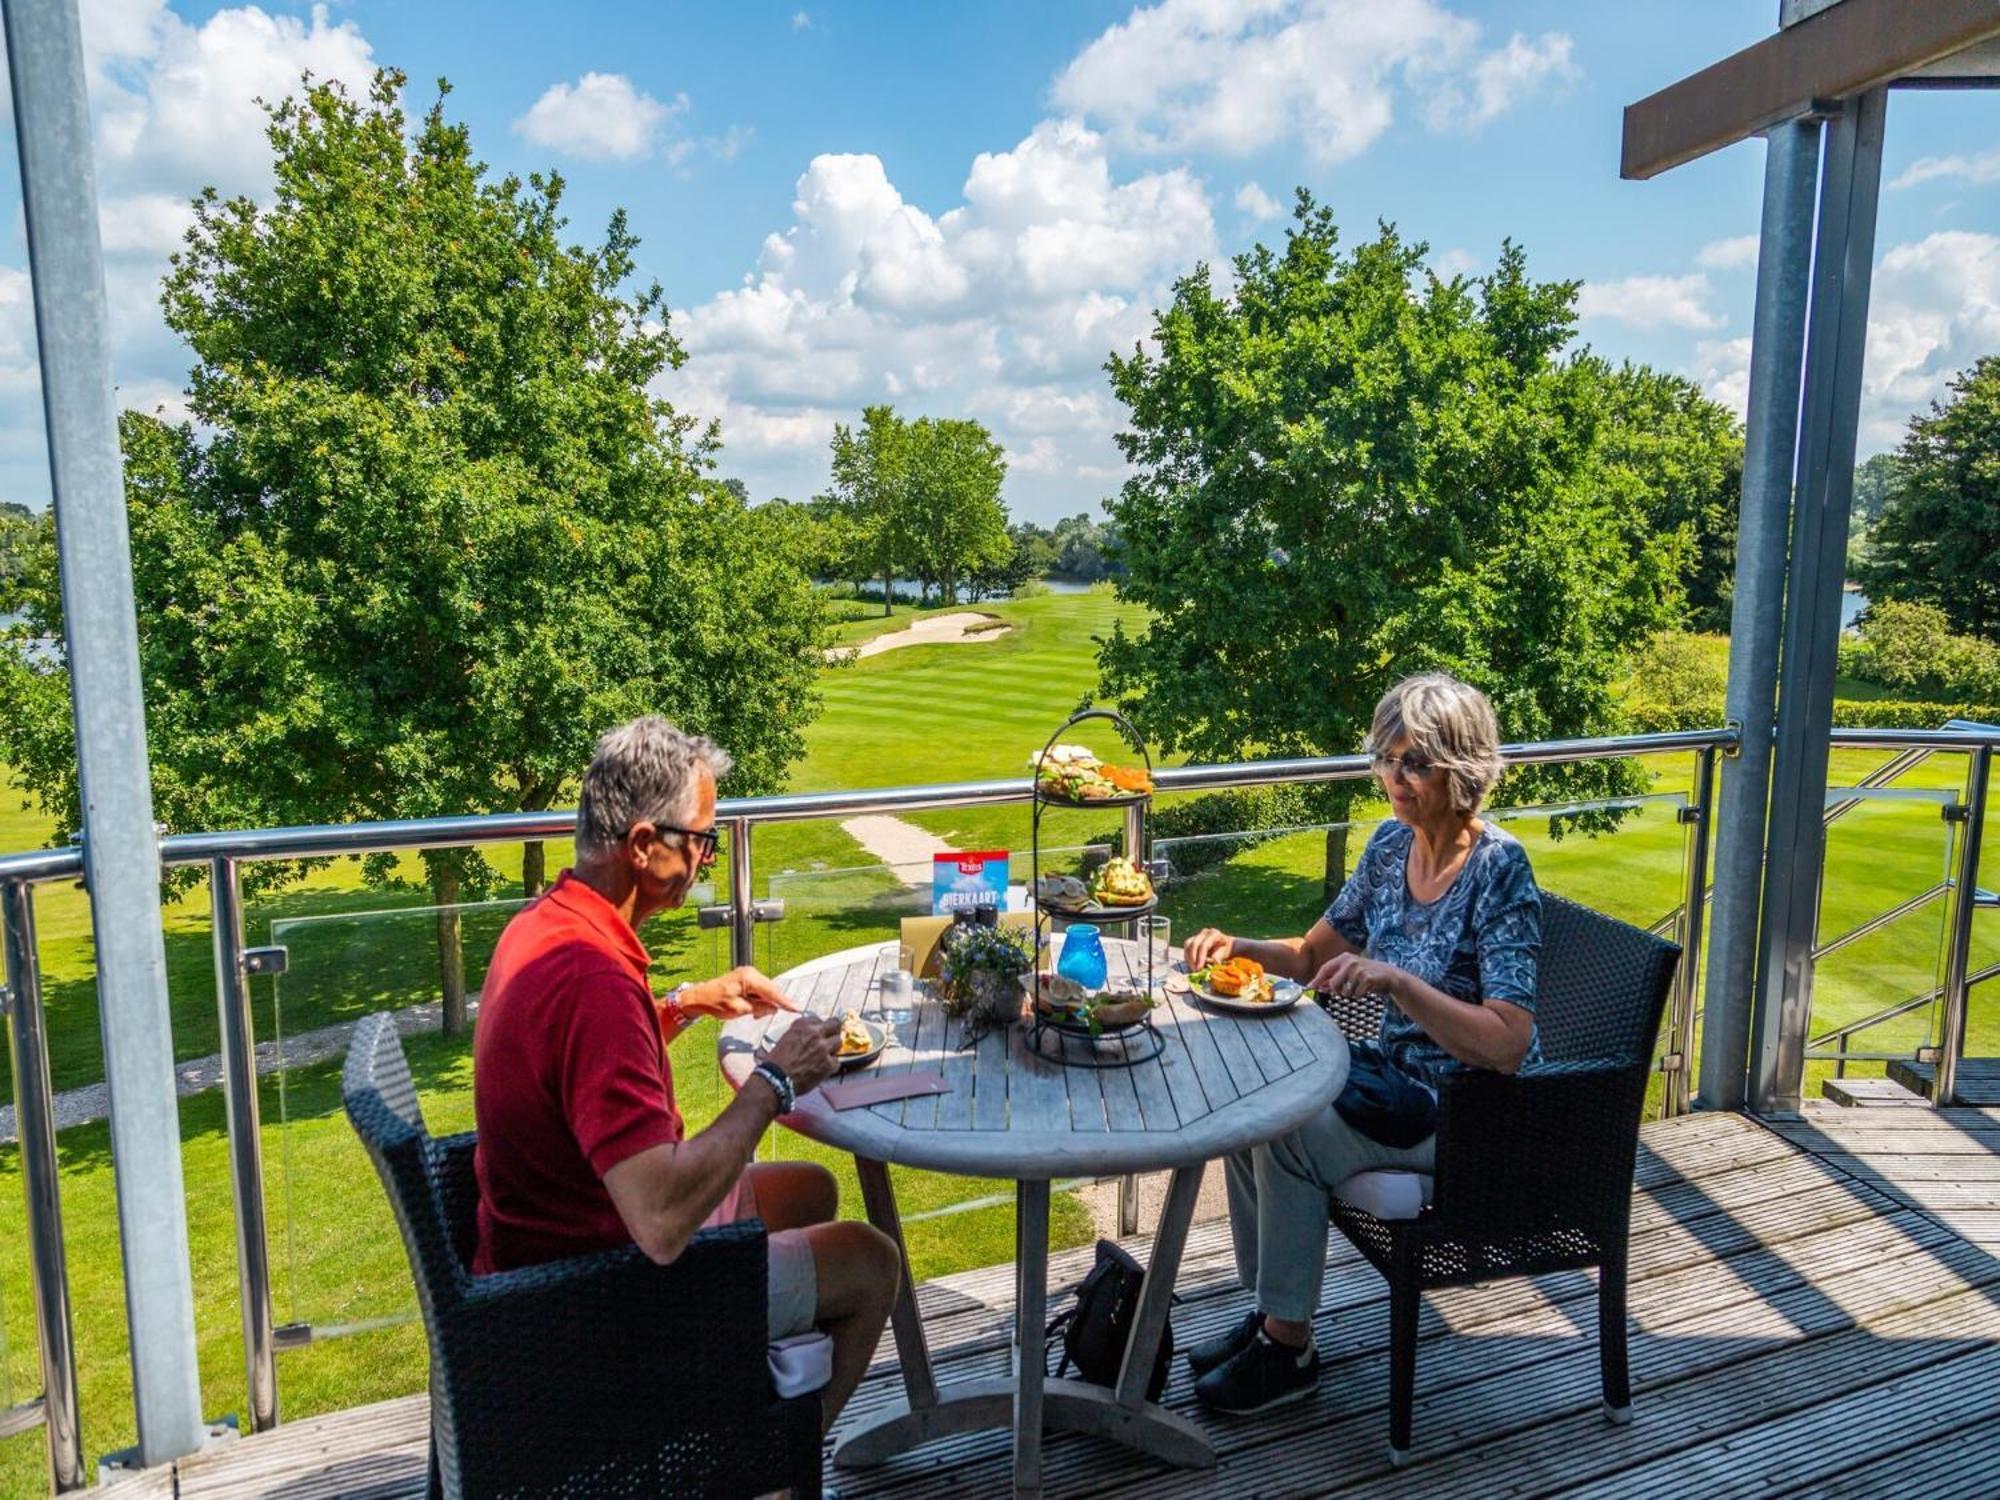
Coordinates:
<point>569,1078</point>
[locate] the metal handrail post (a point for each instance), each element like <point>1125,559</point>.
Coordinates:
<point>742,904</point>
<point>1958,958</point>
<point>1679,1095</point>
<point>35,1123</point>
<point>246,1143</point>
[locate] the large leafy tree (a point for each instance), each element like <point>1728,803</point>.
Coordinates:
<point>870,472</point>
<point>951,516</point>
<point>1677,457</point>
<point>430,534</point>
<point>1347,470</point>
<point>1938,538</point>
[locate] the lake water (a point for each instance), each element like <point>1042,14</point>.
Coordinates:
<point>905,589</point>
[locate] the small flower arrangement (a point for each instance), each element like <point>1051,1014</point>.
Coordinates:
<point>979,971</point>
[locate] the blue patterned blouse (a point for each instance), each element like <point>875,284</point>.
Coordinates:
<point>1480,940</point>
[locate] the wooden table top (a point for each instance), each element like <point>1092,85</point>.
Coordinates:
<point>1222,1082</point>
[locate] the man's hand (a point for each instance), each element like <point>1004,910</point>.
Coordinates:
<point>1208,946</point>
<point>808,1052</point>
<point>740,992</point>
<point>1349,974</point>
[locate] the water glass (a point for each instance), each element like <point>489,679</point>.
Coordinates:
<point>1157,933</point>
<point>899,990</point>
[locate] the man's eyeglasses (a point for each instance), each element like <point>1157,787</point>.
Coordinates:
<point>701,841</point>
<point>1413,767</point>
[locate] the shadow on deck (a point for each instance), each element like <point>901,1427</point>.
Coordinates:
<point>1815,1307</point>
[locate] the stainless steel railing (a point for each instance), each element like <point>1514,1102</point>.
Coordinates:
<point>224,854</point>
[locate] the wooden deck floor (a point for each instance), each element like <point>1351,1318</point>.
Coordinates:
<point>1815,1307</point>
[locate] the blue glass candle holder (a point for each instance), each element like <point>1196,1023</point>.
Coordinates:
<point>1082,956</point>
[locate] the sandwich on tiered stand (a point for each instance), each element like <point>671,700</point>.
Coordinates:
<point>1079,1018</point>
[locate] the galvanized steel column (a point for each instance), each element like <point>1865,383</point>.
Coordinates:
<point>1756,623</point>
<point>1837,339</point>
<point>121,849</point>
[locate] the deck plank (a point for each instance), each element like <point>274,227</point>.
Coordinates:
<point>1804,1295</point>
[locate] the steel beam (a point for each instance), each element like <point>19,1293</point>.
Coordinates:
<point>1838,54</point>
<point>1757,611</point>
<point>1836,342</point>
<point>121,852</point>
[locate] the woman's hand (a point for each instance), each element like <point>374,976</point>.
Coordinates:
<point>740,992</point>
<point>1208,946</point>
<point>1349,975</point>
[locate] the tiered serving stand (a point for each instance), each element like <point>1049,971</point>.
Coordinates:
<point>1076,1044</point>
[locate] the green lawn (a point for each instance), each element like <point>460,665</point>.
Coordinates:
<point>926,714</point>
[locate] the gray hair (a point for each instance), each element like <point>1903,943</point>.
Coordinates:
<point>643,772</point>
<point>1448,723</point>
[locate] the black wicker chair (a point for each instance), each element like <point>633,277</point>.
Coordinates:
<point>1534,1171</point>
<point>601,1375</point>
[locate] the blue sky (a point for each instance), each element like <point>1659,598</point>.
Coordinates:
<point>961,208</point>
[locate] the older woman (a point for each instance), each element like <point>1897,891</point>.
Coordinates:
<point>1442,921</point>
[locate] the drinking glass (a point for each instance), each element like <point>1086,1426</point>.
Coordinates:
<point>1157,933</point>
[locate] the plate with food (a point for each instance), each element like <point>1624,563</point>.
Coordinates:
<point>1061,893</point>
<point>861,1041</point>
<point>1072,774</point>
<point>1242,986</point>
<point>1119,882</point>
<point>1066,1005</point>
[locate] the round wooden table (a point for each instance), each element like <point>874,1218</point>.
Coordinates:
<point>1221,1084</point>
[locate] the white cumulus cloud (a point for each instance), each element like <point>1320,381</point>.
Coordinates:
<point>1258,204</point>
<point>192,118</point>
<point>1500,79</point>
<point>1651,302</point>
<point>1733,254</point>
<point>1722,369</point>
<point>174,109</point>
<point>1236,78</point>
<point>1002,308</point>
<point>1982,168</point>
<point>1935,310</point>
<point>602,116</point>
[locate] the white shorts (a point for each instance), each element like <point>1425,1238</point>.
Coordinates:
<point>794,1279</point>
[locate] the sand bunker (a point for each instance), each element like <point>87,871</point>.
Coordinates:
<point>956,629</point>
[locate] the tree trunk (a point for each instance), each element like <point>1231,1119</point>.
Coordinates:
<point>1336,863</point>
<point>451,948</point>
<point>534,868</point>
<point>888,598</point>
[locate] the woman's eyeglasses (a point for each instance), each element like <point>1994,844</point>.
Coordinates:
<point>1413,767</point>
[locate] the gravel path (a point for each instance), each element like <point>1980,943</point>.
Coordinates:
<point>905,848</point>
<point>200,1074</point>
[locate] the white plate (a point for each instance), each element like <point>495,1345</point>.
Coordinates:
<point>1285,993</point>
<point>879,1034</point>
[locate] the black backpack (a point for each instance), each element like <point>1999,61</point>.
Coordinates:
<point>1096,1330</point>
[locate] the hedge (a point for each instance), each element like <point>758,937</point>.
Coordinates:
<point>1848,713</point>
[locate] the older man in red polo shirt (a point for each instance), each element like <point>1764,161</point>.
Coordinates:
<point>580,1145</point>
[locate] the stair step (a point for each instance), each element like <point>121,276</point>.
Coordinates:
<point>1870,1093</point>
<point>1978,1078</point>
